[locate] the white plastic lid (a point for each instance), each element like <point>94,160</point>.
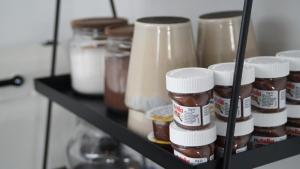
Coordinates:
<point>269,119</point>
<point>241,128</point>
<point>293,56</point>
<point>189,80</point>
<point>224,72</point>
<point>293,111</point>
<point>269,66</point>
<point>192,138</point>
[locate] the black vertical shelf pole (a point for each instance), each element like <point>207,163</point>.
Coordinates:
<point>52,73</point>
<point>113,8</point>
<point>237,82</point>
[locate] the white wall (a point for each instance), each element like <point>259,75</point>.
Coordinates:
<point>22,22</point>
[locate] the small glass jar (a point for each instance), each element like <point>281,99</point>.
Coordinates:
<point>87,53</point>
<point>223,76</point>
<point>269,88</point>
<point>293,122</point>
<point>161,143</point>
<point>269,128</point>
<point>190,90</point>
<point>242,135</point>
<point>189,147</point>
<point>116,66</point>
<point>293,80</point>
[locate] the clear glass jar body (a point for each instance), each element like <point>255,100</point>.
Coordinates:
<point>89,148</point>
<point>87,54</point>
<point>116,70</point>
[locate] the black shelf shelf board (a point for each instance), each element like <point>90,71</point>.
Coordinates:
<point>93,110</point>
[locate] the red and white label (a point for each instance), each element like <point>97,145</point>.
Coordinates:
<point>293,91</point>
<point>222,106</point>
<point>220,150</point>
<point>292,131</point>
<point>268,99</point>
<point>191,116</point>
<point>193,161</point>
<point>259,140</point>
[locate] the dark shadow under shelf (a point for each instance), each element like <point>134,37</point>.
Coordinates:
<point>93,110</point>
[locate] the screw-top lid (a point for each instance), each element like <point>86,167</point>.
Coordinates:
<point>189,80</point>
<point>269,66</point>
<point>269,119</point>
<point>119,31</point>
<point>293,56</point>
<point>97,23</point>
<point>192,138</point>
<point>224,72</point>
<point>293,111</point>
<point>241,128</point>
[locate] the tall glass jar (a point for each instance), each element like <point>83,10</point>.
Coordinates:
<point>87,53</point>
<point>116,66</point>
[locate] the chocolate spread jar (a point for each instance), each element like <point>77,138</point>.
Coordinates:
<point>293,80</point>
<point>163,144</point>
<point>242,135</point>
<point>269,88</point>
<point>269,128</point>
<point>193,146</point>
<point>223,76</point>
<point>190,90</point>
<point>293,123</point>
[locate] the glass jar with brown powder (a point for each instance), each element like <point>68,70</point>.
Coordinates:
<point>116,66</point>
<point>190,90</point>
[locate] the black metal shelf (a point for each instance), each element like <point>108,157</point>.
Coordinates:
<point>93,110</point>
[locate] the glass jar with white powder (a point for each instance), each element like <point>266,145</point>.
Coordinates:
<point>87,54</point>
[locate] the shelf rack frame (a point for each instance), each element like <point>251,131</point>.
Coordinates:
<point>94,114</point>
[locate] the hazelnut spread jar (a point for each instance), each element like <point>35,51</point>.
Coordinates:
<point>223,77</point>
<point>242,135</point>
<point>269,88</point>
<point>293,80</point>
<point>190,90</point>
<point>269,128</point>
<point>293,122</point>
<point>193,146</point>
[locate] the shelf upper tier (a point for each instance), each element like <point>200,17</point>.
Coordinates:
<point>93,110</point>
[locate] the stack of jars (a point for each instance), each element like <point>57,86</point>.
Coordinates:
<point>292,92</point>
<point>223,76</point>
<point>192,134</point>
<point>269,99</point>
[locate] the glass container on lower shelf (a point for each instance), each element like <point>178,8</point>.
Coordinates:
<point>89,148</point>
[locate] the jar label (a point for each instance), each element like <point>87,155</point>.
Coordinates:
<point>292,131</point>
<point>260,140</point>
<point>268,99</point>
<point>220,150</point>
<point>293,91</point>
<point>193,161</point>
<point>222,106</point>
<point>191,116</point>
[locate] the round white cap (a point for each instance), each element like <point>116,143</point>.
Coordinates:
<point>224,72</point>
<point>293,56</point>
<point>241,128</point>
<point>192,138</point>
<point>269,119</point>
<point>293,111</point>
<point>269,66</point>
<point>189,80</point>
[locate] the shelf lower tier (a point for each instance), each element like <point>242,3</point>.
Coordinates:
<point>93,110</point>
